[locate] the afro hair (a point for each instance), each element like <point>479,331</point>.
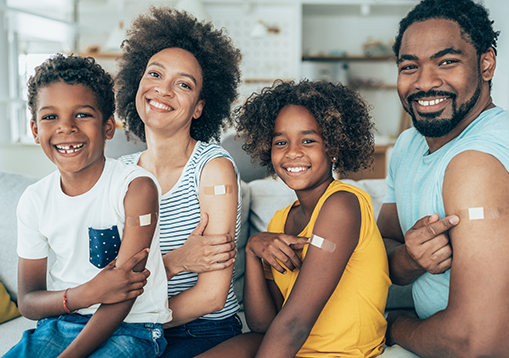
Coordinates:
<point>73,70</point>
<point>341,113</point>
<point>164,28</point>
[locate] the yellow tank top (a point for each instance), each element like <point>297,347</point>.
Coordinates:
<point>352,323</point>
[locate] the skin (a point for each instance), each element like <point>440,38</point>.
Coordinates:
<point>469,326</point>
<point>68,116</point>
<point>301,161</point>
<point>168,99</point>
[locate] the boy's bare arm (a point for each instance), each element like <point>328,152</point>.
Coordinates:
<point>339,221</point>
<point>475,320</point>
<point>141,199</point>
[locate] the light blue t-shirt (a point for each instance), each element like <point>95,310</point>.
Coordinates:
<point>415,182</point>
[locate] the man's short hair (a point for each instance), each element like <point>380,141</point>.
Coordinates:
<point>472,18</point>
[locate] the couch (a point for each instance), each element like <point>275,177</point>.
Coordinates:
<point>260,199</point>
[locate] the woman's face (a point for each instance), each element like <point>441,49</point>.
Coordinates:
<point>168,96</point>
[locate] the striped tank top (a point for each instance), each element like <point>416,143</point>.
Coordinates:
<point>180,213</point>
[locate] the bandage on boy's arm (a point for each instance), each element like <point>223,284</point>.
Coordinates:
<point>210,292</point>
<point>142,197</point>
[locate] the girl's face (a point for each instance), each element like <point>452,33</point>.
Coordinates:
<point>168,96</point>
<point>298,152</point>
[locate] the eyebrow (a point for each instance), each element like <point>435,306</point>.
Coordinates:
<point>447,51</point>
<point>191,77</point>
<point>78,107</point>
<point>278,134</point>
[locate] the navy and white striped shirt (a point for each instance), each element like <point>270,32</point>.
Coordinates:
<point>180,213</point>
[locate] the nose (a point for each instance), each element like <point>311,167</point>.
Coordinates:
<point>293,151</point>
<point>165,89</point>
<point>428,78</point>
<point>67,125</point>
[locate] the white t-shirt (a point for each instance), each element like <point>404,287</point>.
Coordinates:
<point>74,228</point>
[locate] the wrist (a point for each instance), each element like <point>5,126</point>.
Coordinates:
<point>172,265</point>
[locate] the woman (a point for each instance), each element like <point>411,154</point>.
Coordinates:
<point>177,80</point>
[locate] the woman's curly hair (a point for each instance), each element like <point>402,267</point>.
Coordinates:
<point>340,112</point>
<point>164,28</point>
<point>472,18</point>
<point>73,70</point>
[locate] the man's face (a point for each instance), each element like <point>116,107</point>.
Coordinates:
<point>439,77</point>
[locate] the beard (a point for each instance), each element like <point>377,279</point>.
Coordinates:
<point>433,127</point>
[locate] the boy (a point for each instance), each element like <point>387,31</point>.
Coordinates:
<point>96,306</point>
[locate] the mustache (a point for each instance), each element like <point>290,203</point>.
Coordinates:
<point>430,93</point>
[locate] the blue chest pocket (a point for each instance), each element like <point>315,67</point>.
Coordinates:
<point>104,245</point>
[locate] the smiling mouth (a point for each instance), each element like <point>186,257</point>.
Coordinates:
<point>430,103</point>
<point>296,169</point>
<point>159,105</point>
<point>68,149</point>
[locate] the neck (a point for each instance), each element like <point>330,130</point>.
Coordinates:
<point>74,184</point>
<point>309,198</point>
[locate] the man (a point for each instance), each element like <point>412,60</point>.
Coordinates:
<point>453,163</point>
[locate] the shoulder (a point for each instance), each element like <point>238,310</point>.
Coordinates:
<point>130,159</point>
<point>122,175</point>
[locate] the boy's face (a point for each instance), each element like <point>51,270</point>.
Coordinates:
<point>70,128</point>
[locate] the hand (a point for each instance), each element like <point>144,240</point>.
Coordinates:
<point>427,243</point>
<point>269,246</point>
<point>118,284</point>
<point>391,319</point>
<point>201,253</point>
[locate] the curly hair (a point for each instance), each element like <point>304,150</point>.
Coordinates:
<point>73,70</point>
<point>164,28</point>
<point>340,112</point>
<point>472,18</point>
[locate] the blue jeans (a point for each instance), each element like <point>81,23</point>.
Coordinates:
<point>193,338</point>
<point>54,334</point>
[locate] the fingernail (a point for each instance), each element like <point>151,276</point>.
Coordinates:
<point>454,220</point>
<point>284,272</point>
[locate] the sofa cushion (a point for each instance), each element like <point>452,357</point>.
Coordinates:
<point>8,309</point>
<point>11,187</point>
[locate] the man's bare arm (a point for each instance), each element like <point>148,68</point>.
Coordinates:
<point>474,323</point>
<point>424,247</point>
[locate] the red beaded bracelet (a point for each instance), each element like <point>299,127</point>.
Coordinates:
<point>65,303</point>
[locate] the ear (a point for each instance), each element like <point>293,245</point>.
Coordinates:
<point>35,131</point>
<point>198,109</point>
<point>488,63</point>
<point>109,127</point>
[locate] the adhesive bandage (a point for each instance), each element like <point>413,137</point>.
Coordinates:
<point>321,243</point>
<point>479,213</point>
<point>217,190</point>
<point>142,220</point>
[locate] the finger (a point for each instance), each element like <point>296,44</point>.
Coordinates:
<point>225,256</point>
<point>200,228</point>
<point>218,266</point>
<point>442,267</point>
<point>111,265</point>
<point>441,226</point>
<point>272,262</point>
<point>290,239</point>
<point>135,259</point>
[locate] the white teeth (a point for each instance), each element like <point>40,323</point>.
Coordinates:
<point>159,105</point>
<point>67,149</point>
<point>432,102</point>
<point>296,169</point>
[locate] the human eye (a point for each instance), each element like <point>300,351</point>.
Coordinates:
<point>185,85</point>
<point>279,143</point>
<point>308,141</point>
<point>84,115</point>
<point>407,67</point>
<point>49,117</point>
<point>448,62</point>
<point>153,74</point>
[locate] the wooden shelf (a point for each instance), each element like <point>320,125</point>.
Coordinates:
<point>110,55</point>
<point>348,58</point>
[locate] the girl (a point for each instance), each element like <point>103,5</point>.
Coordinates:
<point>333,305</point>
<point>177,80</point>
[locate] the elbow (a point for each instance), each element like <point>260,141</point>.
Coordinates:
<point>216,303</point>
<point>481,342</point>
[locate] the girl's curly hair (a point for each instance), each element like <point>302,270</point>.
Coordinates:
<point>164,28</point>
<point>73,70</point>
<point>340,112</point>
<point>472,18</point>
